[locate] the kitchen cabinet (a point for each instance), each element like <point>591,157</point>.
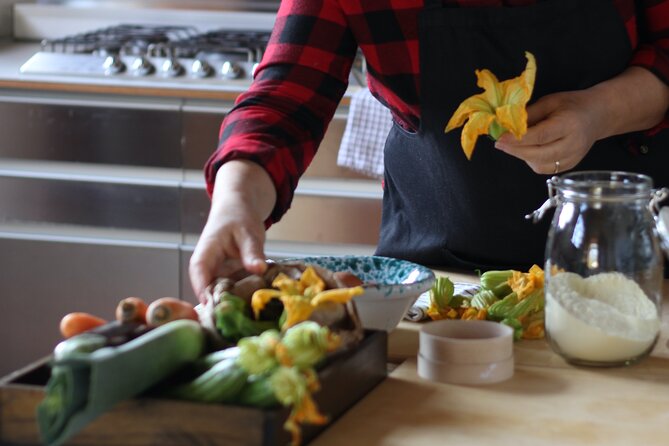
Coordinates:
<point>44,277</point>
<point>98,182</point>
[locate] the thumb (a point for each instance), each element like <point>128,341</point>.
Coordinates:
<point>540,110</point>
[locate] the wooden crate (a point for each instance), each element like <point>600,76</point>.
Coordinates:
<point>144,421</point>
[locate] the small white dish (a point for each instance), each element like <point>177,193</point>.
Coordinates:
<point>467,374</point>
<point>465,352</point>
<point>466,341</point>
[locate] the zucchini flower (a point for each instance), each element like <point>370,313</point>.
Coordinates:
<point>444,304</point>
<point>293,388</point>
<point>300,297</point>
<point>305,344</point>
<point>257,353</point>
<point>289,385</point>
<point>525,283</point>
<point>500,108</point>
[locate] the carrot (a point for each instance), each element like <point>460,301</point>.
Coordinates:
<point>131,309</point>
<point>168,309</point>
<point>75,323</point>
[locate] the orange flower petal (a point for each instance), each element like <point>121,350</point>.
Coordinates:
<point>298,309</point>
<point>338,295</point>
<point>493,94</point>
<point>477,125</point>
<point>513,118</point>
<point>470,105</point>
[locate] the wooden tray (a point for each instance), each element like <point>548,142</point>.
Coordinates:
<point>143,421</point>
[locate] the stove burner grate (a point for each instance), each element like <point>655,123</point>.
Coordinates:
<point>131,39</point>
<point>153,51</point>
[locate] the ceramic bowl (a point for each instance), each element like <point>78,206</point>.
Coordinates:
<point>465,352</point>
<point>391,286</point>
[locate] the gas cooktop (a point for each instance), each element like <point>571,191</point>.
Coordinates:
<point>152,52</point>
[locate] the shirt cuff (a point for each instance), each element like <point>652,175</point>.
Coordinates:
<point>274,168</point>
<point>656,60</point>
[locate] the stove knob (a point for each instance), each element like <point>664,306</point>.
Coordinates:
<point>142,67</point>
<point>231,70</point>
<point>172,68</point>
<point>113,64</point>
<point>201,68</point>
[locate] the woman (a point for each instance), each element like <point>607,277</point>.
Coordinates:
<point>599,101</point>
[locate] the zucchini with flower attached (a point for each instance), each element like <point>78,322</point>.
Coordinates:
<point>234,320</point>
<point>221,383</point>
<point>483,299</point>
<point>268,370</point>
<point>497,281</point>
<point>501,309</point>
<point>444,304</point>
<point>511,297</point>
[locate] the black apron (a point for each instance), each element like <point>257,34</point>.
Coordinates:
<point>441,209</point>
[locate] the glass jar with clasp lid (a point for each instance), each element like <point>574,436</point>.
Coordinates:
<point>604,266</point>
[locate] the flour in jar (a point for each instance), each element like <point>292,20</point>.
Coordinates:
<point>603,318</point>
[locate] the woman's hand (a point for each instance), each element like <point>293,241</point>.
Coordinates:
<point>564,126</point>
<point>234,235</point>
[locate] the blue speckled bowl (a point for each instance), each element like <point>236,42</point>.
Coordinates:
<point>391,286</point>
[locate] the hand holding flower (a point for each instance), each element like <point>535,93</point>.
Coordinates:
<point>500,108</point>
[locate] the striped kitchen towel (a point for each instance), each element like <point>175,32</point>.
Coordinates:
<point>364,138</point>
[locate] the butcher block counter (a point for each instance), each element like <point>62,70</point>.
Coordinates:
<point>547,402</point>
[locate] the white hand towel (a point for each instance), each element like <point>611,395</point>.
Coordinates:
<point>418,311</point>
<point>364,138</point>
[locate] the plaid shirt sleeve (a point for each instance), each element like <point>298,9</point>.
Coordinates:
<point>280,121</point>
<point>649,31</point>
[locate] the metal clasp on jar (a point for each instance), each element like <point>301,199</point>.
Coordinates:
<point>551,202</point>
<point>661,216</point>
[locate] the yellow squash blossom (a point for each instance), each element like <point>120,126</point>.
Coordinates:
<point>300,297</point>
<point>500,108</point>
<point>525,283</point>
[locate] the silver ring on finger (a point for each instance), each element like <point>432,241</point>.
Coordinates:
<point>557,167</point>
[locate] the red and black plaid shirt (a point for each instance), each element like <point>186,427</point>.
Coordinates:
<point>280,121</point>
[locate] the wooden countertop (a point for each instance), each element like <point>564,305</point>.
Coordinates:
<point>547,402</point>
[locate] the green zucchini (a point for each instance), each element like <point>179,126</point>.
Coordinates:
<point>258,393</point>
<point>219,384</point>
<point>84,386</point>
<point>497,281</point>
<point>501,309</point>
<point>81,344</point>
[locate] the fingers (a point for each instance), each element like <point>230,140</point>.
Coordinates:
<point>541,130</point>
<point>558,137</point>
<point>201,274</point>
<point>541,159</point>
<point>224,250</point>
<point>251,251</point>
<point>540,148</point>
